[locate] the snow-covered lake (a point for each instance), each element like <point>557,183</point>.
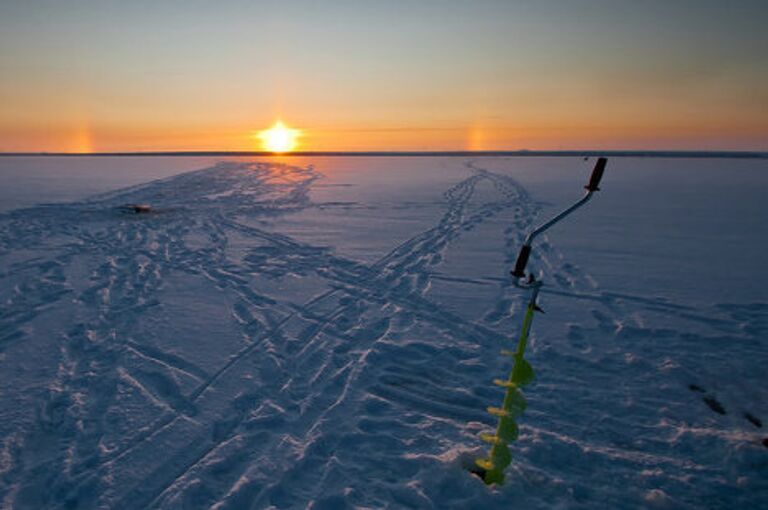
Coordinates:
<point>323,332</point>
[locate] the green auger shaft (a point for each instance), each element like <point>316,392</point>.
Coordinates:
<point>513,405</point>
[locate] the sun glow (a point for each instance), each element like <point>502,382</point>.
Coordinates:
<point>279,138</point>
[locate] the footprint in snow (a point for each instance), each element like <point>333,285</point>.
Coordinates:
<point>718,408</point>
<point>714,404</point>
<point>753,420</point>
<point>711,402</point>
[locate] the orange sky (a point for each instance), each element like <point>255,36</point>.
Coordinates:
<point>447,75</point>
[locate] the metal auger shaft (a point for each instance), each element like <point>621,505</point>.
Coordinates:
<point>591,187</point>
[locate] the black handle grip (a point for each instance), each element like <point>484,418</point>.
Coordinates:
<point>522,261</point>
<point>597,174</point>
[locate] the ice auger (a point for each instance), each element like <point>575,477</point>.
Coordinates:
<point>491,468</point>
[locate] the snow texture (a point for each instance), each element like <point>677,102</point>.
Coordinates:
<point>324,334</point>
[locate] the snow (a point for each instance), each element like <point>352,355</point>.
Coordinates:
<point>324,332</point>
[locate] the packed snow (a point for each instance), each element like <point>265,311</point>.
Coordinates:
<point>323,332</point>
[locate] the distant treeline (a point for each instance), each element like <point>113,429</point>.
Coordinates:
<point>526,153</point>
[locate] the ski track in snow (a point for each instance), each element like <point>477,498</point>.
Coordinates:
<point>364,391</point>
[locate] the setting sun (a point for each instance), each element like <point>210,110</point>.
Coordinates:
<point>279,138</point>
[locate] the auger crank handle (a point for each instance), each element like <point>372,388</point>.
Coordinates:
<point>597,174</point>
<point>522,261</point>
<point>591,187</point>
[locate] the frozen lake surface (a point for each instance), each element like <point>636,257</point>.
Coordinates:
<point>324,332</point>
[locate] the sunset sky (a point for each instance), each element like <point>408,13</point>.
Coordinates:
<point>384,75</point>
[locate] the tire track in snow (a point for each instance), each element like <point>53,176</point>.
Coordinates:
<point>452,216</point>
<point>448,227</point>
<point>115,291</point>
<point>444,227</point>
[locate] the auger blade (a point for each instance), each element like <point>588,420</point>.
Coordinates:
<point>501,456</point>
<point>490,438</point>
<point>508,430</point>
<point>498,412</point>
<point>494,476</point>
<point>485,464</point>
<point>514,402</point>
<point>522,374</point>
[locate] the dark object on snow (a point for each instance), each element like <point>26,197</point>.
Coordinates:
<point>597,175</point>
<point>754,420</point>
<point>695,387</point>
<point>478,472</point>
<point>522,261</point>
<point>137,208</point>
<point>765,442</point>
<point>714,405</point>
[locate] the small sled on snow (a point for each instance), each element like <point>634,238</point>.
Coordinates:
<point>136,208</point>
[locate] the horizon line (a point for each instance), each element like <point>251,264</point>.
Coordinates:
<point>488,153</point>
